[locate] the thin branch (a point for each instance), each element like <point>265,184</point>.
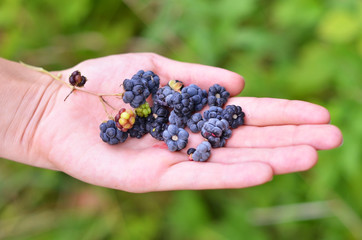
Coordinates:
<point>105,108</point>
<point>73,88</point>
<point>107,103</point>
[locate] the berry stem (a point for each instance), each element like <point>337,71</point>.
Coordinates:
<point>69,94</point>
<point>73,88</point>
<point>105,108</point>
<point>58,78</point>
<point>42,70</point>
<point>102,98</point>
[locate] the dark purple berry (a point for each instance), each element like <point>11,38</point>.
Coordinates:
<point>234,115</point>
<point>218,96</point>
<point>216,132</point>
<point>198,96</point>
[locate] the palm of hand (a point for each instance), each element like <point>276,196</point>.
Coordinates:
<point>280,136</point>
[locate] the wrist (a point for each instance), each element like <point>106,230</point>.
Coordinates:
<point>25,98</point>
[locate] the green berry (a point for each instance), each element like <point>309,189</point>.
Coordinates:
<point>144,110</point>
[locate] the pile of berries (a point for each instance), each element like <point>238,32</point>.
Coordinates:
<point>173,107</point>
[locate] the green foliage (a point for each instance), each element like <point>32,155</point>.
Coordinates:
<point>308,50</point>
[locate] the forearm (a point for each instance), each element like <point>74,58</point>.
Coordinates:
<point>25,96</point>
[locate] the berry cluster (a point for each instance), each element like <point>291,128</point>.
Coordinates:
<point>174,107</point>
<point>139,87</point>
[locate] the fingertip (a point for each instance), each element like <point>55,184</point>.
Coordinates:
<point>335,137</point>
<point>331,135</point>
<point>309,157</point>
<point>267,173</point>
<point>239,84</point>
<point>323,115</point>
<point>256,173</point>
<point>307,112</point>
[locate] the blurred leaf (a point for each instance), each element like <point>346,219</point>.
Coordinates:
<point>187,215</point>
<point>313,70</point>
<point>339,26</point>
<point>296,14</point>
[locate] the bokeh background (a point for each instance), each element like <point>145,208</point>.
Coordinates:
<point>303,49</point>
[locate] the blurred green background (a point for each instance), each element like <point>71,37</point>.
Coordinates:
<point>303,49</point>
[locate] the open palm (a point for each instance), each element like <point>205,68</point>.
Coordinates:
<point>280,136</point>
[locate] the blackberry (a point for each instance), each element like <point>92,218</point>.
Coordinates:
<point>216,132</point>
<point>201,153</point>
<point>182,104</point>
<point>136,91</point>
<point>180,122</point>
<point>139,128</point>
<point>213,112</point>
<point>160,113</point>
<point>175,138</point>
<point>152,80</point>
<point>144,110</point>
<point>234,115</point>
<point>195,123</point>
<point>190,151</point>
<point>125,119</point>
<point>198,95</point>
<point>156,129</point>
<point>163,96</point>
<point>218,96</point>
<point>111,134</point>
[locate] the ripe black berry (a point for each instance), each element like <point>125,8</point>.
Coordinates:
<point>216,132</point>
<point>218,95</point>
<point>234,115</point>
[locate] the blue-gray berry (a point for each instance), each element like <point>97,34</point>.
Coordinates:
<point>177,120</point>
<point>213,112</point>
<point>202,152</point>
<point>195,123</point>
<point>136,91</point>
<point>176,138</point>
<point>111,134</point>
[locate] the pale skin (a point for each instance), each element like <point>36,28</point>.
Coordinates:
<point>38,128</point>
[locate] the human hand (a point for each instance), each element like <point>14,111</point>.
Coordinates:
<point>279,136</point>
